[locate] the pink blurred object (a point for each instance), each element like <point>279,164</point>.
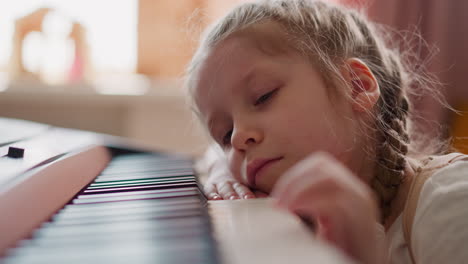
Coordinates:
<point>441,24</point>
<point>79,67</point>
<point>76,70</point>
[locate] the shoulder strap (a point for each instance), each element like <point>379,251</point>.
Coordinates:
<point>420,178</point>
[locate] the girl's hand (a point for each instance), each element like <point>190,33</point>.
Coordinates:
<point>339,203</point>
<point>221,184</point>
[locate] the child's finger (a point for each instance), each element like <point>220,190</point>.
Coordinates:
<point>213,196</point>
<point>308,188</point>
<point>211,192</point>
<point>243,191</point>
<point>329,222</point>
<point>316,164</point>
<point>343,224</point>
<point>226,191</point>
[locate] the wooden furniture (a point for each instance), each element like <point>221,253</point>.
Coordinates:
<point>459,128</point>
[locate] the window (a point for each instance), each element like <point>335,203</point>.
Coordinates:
<point>111,33</point>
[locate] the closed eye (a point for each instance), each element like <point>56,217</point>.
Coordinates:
<point>262,99</point>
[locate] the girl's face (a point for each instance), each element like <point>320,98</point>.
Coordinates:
<point>269,111</point>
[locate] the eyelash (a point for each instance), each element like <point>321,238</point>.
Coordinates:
<point>262,99</point>
<point>226,140</point>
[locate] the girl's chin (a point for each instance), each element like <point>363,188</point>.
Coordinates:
<point>266,184</point>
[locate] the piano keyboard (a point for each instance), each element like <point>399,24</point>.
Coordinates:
<point>142,208</point>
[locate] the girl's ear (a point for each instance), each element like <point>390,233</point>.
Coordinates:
<point>365,91</point>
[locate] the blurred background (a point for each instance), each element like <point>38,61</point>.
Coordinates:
<point>115,66</point>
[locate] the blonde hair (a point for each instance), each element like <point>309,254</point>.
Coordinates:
<point>327,34</point>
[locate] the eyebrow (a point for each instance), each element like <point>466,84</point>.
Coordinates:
<point>246,79</point>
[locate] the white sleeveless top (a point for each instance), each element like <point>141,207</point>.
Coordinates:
<point>440,227</point>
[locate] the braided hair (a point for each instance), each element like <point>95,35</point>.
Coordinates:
<point>393,138</point>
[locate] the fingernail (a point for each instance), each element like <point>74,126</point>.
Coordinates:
<point>233,197</point>
<point>249,196</point>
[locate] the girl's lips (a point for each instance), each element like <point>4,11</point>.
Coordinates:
<point>255,166</point>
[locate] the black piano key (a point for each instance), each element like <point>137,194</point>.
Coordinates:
<point>138,181</point>
<point>71,209</point>
<point>132,193</point>
<point>117,194</point>
<point>189,193</point>
<point>86,213</point>
<point>142,187</point>
<point>141,176</point>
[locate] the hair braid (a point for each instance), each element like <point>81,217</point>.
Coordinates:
<point>393,108</point>
<point>391,115</point>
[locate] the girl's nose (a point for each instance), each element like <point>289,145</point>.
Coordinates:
<point>242,139</point>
